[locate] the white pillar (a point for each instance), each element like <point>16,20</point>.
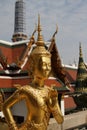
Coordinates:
<point>62,105</point>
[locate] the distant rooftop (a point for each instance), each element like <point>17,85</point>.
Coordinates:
<point>73,66</point>
<point>13,43</point>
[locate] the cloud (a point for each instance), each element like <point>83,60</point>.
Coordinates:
<point>70,15</point>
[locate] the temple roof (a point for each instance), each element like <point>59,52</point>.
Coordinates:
<point>11,44</point>
<point>71,73</point>
<point>57,67</point>
<point>18,53</point>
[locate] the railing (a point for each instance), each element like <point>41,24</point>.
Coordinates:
<point>71,122</point>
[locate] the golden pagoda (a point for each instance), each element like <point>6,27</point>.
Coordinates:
<point>81,85</point>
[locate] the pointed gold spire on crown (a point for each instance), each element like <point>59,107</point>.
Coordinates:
<point>40,41</point>
<point>40,49</point>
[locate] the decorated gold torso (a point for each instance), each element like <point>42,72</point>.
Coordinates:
<point>37,105</point>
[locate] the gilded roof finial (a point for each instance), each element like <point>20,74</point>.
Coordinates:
<point>55,31</point>
<point>80,50</point>
<point>34,30</point>
<point>40,41</point>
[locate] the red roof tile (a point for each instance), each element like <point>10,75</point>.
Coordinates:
<point>71,74</point>
<point>9,82</point>
<point>53,82</point>
<point>12,53</point>
<point>69,103</point>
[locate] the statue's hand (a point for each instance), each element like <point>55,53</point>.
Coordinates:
<point>52,98</point>
<point>52,93</point>
<point>54,106</point>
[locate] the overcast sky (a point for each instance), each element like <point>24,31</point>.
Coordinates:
<point>69,15</point>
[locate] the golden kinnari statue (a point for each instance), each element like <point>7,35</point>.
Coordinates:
<point>41,100</point>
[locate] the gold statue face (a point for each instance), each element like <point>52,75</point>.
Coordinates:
<point>44,67</point>
<point>40,63</point>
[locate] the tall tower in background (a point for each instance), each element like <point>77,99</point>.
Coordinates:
<point>19,23</point>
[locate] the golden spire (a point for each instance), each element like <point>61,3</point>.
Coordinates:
<point>81,73</point>
<point>80,50</point>
<point>40,41</point>
<point>81,66</point>
<point>40,49</point>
